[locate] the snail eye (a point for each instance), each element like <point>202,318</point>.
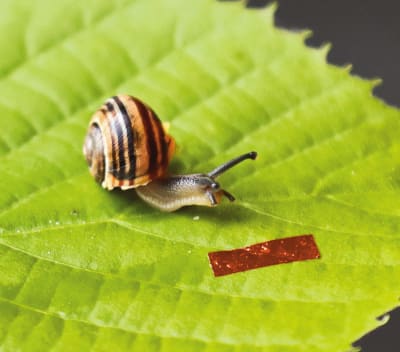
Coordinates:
<point>215,185</point>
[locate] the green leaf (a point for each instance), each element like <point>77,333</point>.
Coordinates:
<point>86,269</point>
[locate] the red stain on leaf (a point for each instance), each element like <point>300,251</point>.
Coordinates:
<point>282,250</point>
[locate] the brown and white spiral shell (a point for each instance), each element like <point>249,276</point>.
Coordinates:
<point>127,145</point>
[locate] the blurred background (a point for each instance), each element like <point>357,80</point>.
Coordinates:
<point>366,34</point>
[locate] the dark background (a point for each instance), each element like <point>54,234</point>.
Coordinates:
<point>366,34</point>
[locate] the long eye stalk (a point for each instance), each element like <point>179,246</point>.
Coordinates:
<point>228,195</point>
<point>224,167</point>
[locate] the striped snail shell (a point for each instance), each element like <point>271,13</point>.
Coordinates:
<point>127,146</point>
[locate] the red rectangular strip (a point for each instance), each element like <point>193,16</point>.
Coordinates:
<point>282,250</point>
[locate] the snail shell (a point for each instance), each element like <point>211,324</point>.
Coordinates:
<point>127,145</point>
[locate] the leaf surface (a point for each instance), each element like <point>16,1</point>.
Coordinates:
<point>86,269</point>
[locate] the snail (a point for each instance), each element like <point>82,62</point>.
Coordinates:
<point>127,146</point>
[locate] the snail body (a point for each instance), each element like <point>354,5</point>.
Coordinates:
<point>127,146</point>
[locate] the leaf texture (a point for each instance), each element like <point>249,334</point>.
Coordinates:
<point>86,269</point>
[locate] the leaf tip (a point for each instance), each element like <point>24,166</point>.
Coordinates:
<point>325,49</point>
<point>306,34</point>
<point>260,6</point>
<point>374,82</point>
<point>273,7</point>
<point>348,68</point>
